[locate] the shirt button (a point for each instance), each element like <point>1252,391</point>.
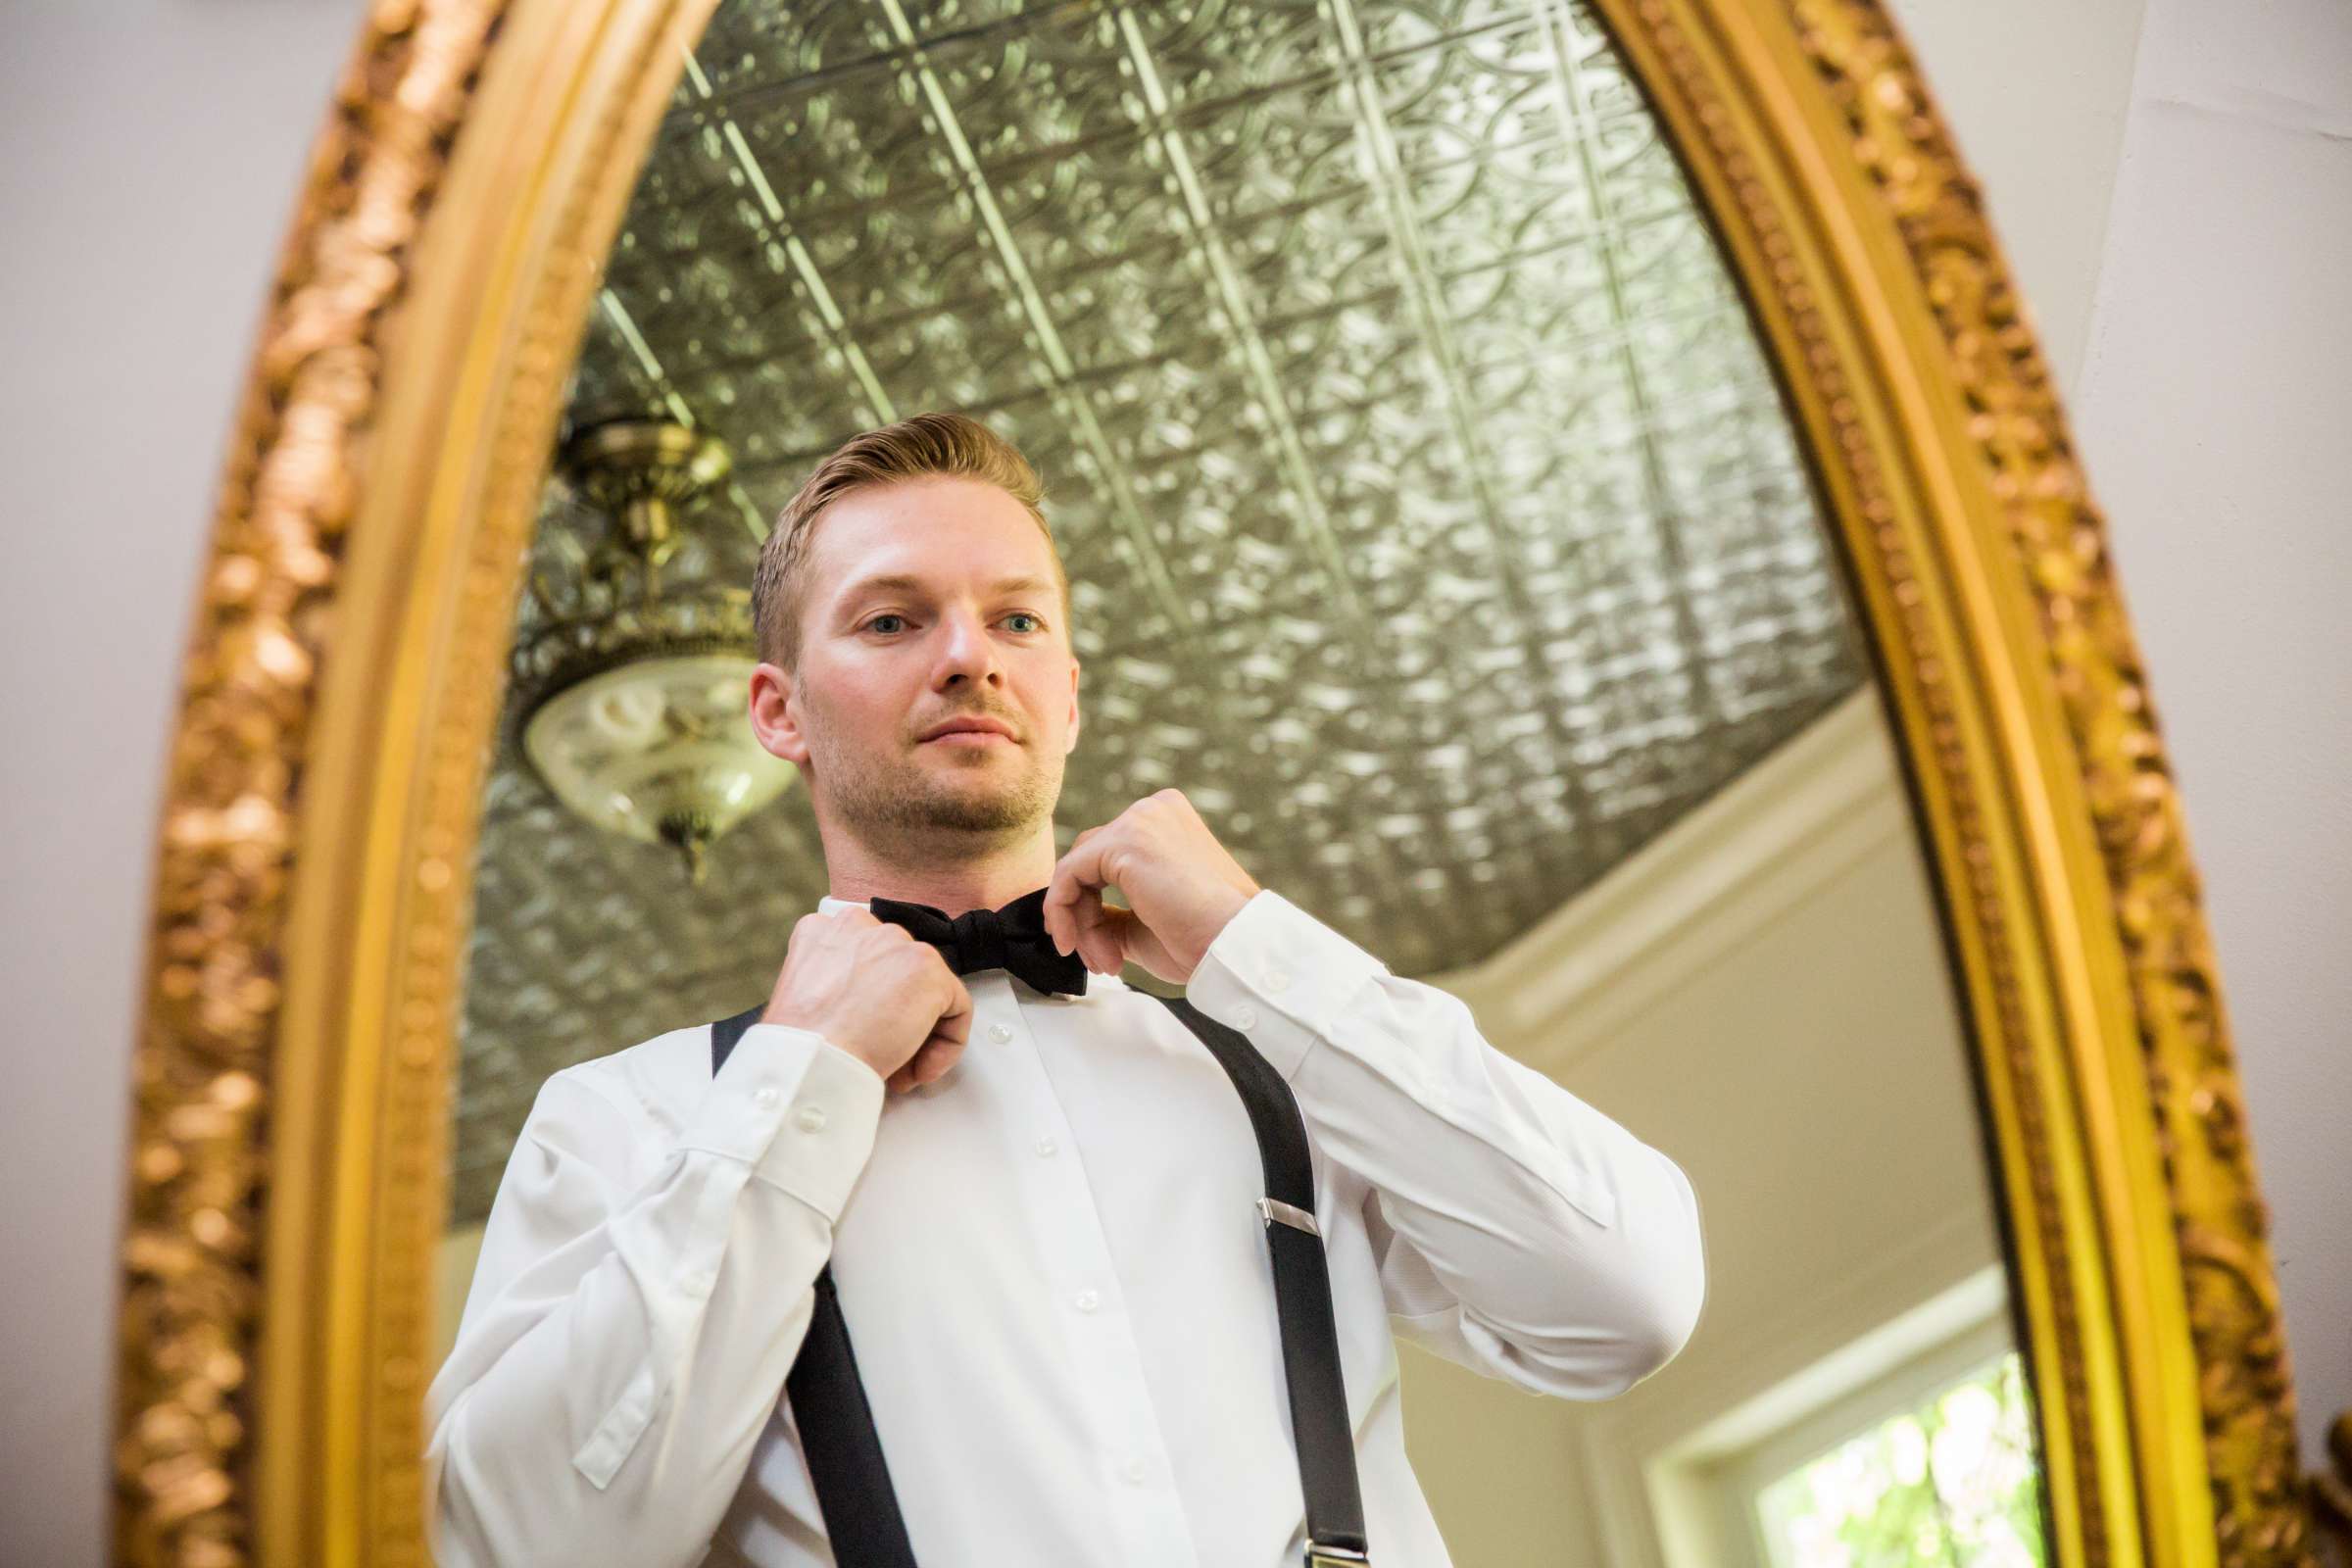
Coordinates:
<point>1046,1147</point>
<point>1244,1017</point>
<point>813,1118</point>
<point>1087,1300</point>
<point>765,1097</point>
<point>1133,1469</point>
<point>1276,979</point>
<point>999,1033</point>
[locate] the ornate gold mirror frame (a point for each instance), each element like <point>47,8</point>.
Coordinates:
<point>295,1061</point>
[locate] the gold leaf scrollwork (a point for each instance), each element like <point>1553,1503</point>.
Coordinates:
<point>2059,539</point>
<point>204,1079</point>
<point>202,1065</point>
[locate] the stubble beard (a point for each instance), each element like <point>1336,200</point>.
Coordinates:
<point>900,803</point>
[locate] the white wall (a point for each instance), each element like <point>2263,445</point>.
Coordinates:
<point>2214,412</point>
<point>2190,281</point>
<point>1762,993</point>
<point>152,153</point>
<point>2037,95</point>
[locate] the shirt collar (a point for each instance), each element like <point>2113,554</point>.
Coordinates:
<point>829,905</point>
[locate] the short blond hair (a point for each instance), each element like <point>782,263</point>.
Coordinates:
<point>952,445</point>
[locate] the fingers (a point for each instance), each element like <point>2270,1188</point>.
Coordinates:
<point>931,1063</point>
<point>931,1060</point>
<point>1120,932</point>
<point>1096,930</point>
<point>955,1018</point>
<point>1077,876</point>
<point>1103,931</point>
<point>1077,917</point>
<point>949,1033</point>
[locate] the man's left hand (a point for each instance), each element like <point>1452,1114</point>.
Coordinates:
<point>1179,884</point>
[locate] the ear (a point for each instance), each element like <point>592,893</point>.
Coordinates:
<point>777,716</point>
<point>1073,735</point>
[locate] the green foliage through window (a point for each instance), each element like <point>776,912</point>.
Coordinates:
<point>1951,1482</point>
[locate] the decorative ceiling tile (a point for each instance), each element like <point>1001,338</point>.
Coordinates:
<point>1431,514</point>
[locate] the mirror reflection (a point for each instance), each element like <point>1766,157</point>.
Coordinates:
<point>1432,524</point>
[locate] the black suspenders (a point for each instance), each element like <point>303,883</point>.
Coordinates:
<point>837,1426</point>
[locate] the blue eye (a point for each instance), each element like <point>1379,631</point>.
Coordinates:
<point>879,619</point>
<point>1024,614</point>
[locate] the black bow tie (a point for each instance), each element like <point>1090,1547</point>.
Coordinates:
<point>1012,939</point>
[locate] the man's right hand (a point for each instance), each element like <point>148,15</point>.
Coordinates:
<point>871,989</point>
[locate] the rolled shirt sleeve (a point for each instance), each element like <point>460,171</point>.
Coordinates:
<point>1522,1233</point>
<point>643,1288</point>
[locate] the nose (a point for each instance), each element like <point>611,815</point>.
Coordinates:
<point>967,654</point>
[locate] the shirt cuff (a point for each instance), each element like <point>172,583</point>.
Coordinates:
<point>796,1108</point>
<point>1280,976</point>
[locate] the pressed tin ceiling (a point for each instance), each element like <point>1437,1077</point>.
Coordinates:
<point>1430,515</point>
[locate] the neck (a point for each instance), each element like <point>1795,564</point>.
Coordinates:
<point>986,879</point>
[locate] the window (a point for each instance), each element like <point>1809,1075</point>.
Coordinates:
<point>1908,1443</point>
<point>1949,1482</point>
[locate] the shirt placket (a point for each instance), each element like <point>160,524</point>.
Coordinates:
<point>1090,1316</point>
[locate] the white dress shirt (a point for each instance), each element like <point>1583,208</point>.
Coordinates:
<point>1053,1268</point>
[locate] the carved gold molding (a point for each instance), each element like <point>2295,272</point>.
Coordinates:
<point>2219,1220</point>
<point>2167,1405</point>
<point>316,844</point>
<point>564,107</point>
<point>1771,216</point>
<point>234,795</point>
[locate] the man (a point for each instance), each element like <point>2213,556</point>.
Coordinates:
<point>1040,1206</point>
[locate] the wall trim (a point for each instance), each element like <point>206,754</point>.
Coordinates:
<point>1810,810</point>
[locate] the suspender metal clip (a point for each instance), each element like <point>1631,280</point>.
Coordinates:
<point>1291,1215</point>
<point>1332,1556</point>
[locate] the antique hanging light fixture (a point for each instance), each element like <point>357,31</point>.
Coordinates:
<point>632,695</point>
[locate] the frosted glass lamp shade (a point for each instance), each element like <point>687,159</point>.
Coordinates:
<point>659,749</point>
